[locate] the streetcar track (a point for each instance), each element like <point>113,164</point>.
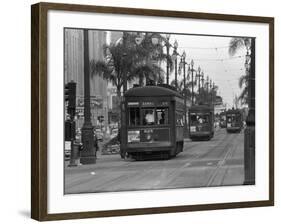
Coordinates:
<point>219,153</point>
<point>219,165</point>
<point>227,155</point>
<point>222,143</point>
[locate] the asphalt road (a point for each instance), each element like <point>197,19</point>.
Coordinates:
<point>218,162</point>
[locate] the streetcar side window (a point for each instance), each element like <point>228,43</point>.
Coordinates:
<point>134,116</point>
<point>148,115</point>
<point>162,115</point>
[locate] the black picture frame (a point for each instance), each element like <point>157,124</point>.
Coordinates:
<point>39,108</point>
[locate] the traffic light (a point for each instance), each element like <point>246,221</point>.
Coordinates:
<point>70,97</point>
<point>69,130</point>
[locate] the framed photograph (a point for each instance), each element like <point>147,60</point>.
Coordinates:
<point>139,111</point>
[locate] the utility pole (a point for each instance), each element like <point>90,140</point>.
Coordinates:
<point>249,133</point>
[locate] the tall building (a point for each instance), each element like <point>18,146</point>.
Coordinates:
<point>74,70</point>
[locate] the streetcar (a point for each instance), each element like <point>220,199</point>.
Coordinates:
<point>153,126</point>
<point>201,122</point>
<point>234,121</point>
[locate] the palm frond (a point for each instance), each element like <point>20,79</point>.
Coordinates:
<point>236,44</point>
<point>243,80</point>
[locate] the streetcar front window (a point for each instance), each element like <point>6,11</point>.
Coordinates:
<point>197,119</point>
<point>162,115</point>
<point>148,116</point>
<point>134,116</point>
<point>233,118</point>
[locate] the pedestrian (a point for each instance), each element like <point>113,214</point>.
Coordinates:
<point>96,144</point>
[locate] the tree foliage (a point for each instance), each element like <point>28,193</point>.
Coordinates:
<point>235,45</point>
<point>126,60</point>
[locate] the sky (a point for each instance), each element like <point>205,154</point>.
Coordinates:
<point>211,54</point>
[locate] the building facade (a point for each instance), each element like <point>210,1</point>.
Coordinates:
<point>74,70</point>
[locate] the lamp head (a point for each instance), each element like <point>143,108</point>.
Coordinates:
<point>176,44</point>
<point>183,54</point>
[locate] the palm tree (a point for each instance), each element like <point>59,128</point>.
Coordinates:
<point>181,90</point>
<point>132,61</point>
<point>126,61</point>
<point>244,81</point>
<point>119,63</point>
<point>235,45</point>
<point>148,71</point>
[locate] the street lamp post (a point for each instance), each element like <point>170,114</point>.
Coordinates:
<point>184,90</point>
<point>207,84</point>
<point>88,155</point>
<point>202,84</point>
<point>168,45</point>
<point>212,86</point>
<point>207,89</point>
<point>192,84</point>
<point>175,56</point>
<point>214,94</point>
<point>198,76</point>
